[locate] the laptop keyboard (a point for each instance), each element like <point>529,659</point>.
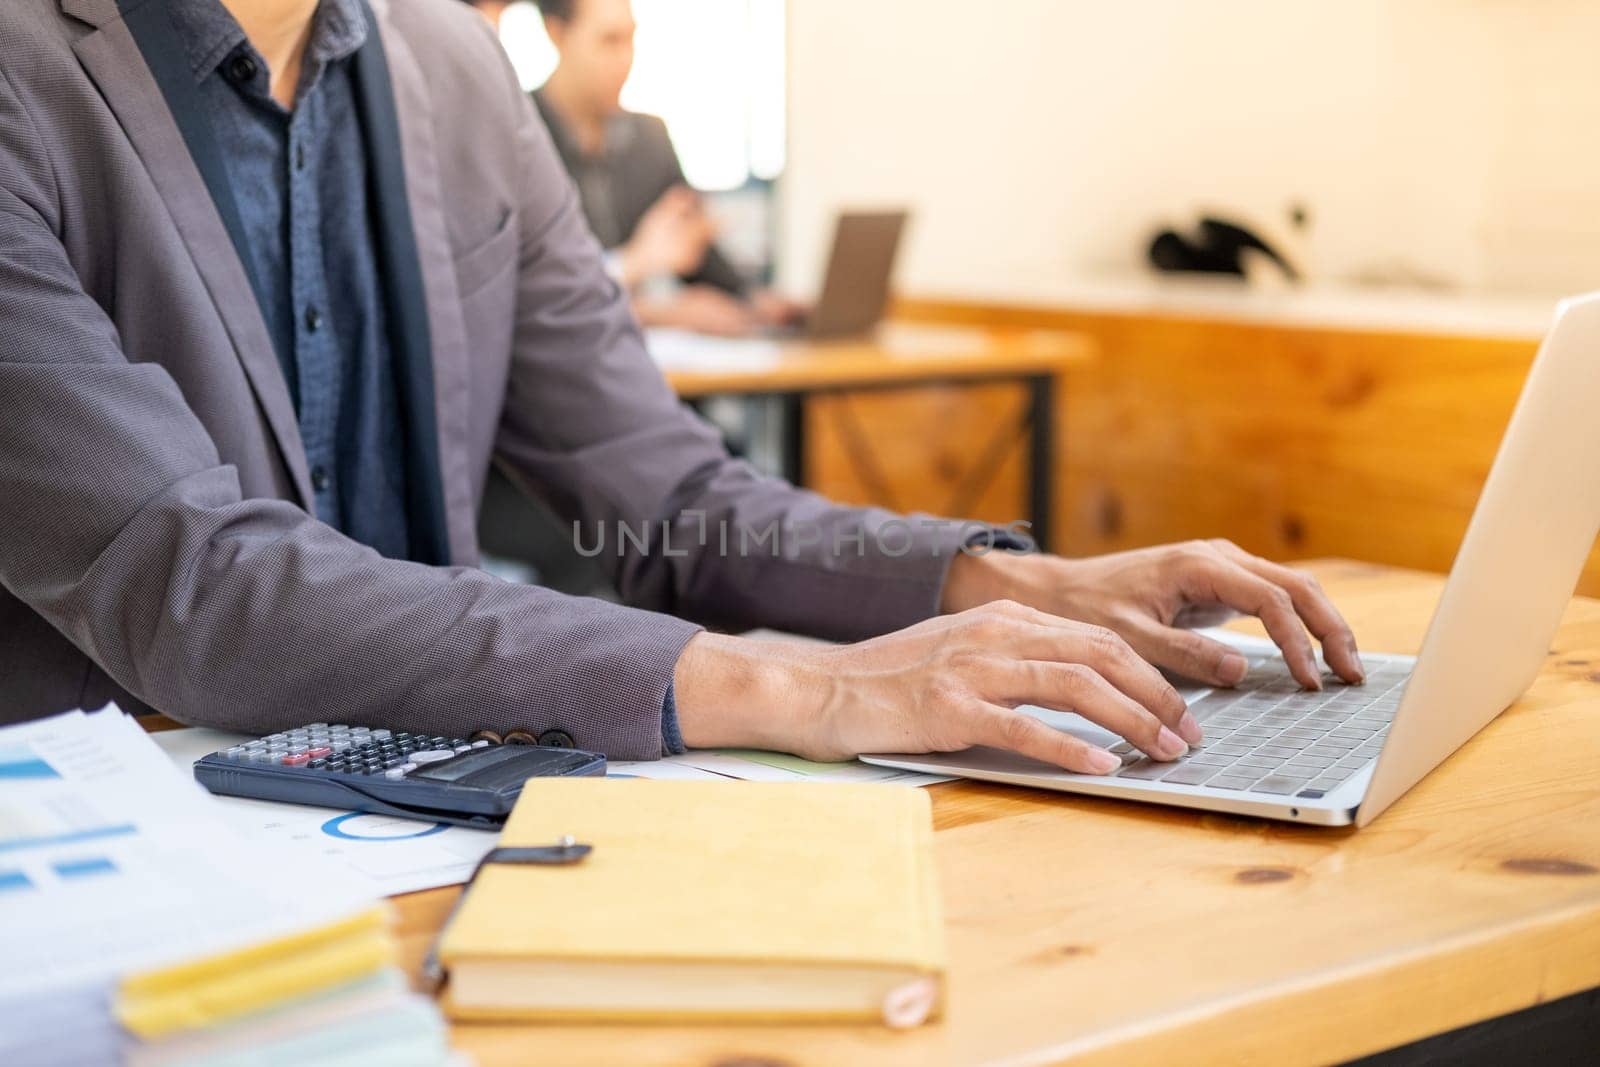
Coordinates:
<point>1268,735</point>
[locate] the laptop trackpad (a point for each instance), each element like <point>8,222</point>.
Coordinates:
<point>1072,723</point>
<point>982,758</point>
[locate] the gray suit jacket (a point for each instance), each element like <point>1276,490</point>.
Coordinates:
<point>155,543</point>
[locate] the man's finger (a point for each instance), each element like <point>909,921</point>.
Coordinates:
<point>1002,727</point>
<point>1220,578</point>
<point>1190,654</point>
<point>1321,617</point>
<point>1037,635</point>
<point>1079,688</point>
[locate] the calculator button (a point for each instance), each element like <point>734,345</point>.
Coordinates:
<point>319,751</point>
<point>463,747</point>
<point>316,726</point>
<point>382,735</point>
<point>479,744</point>
<point>432,755</point>
<point>395,772</point>
<point>295,759</point>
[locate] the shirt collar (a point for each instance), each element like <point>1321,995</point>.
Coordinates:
<point>339,28</point>
<point>210,34</point>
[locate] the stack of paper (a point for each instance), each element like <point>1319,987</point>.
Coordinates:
<point>137,925</point>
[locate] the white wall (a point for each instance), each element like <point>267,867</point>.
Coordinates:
<point>1458,138</point>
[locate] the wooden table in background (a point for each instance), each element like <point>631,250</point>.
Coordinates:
<point>1097,932</point>
<point>1291,439</point>
<point>984,401</point>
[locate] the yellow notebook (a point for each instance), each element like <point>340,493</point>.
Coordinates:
<point>707,900</point>
<point>217,988</point>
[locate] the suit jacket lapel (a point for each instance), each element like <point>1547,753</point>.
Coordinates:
<point>113,59</point>
<point>398,113</point>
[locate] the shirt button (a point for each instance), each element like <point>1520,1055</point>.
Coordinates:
<point>241,68</point>
<point>557,739</point>
<point>313,319</point>
<point>320,480</point>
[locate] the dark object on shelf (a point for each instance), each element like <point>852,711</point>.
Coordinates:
<point>1217,248</point>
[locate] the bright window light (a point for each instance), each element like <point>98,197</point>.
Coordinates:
<point>712,69</point>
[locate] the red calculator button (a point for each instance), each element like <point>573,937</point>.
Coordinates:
<point>296,759</point>
<point>316,753</point>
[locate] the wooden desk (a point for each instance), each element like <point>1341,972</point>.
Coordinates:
<point>1006,381</point>
<point>1098,932</point>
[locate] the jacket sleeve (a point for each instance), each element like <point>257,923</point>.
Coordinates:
<point>592,427</point>
<point>120,525</point>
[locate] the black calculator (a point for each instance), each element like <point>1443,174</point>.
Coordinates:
<point>389,772</point>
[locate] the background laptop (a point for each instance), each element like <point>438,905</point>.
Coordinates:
<point>1345,754</point>
<point>856,285</point>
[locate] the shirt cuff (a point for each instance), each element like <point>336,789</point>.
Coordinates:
<point>671,736</point>
<point>612,263</point>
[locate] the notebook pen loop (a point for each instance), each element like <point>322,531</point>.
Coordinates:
<point>566,850</point>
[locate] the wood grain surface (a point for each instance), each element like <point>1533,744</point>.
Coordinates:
<point>1102,932</point>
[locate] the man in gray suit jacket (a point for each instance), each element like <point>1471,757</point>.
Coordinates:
<point>279,279</point>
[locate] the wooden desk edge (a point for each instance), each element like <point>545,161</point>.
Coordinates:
<point>1006,354</point>
<point>1472,978</point>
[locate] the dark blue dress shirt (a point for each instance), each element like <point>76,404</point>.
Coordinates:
<point>299,177</point>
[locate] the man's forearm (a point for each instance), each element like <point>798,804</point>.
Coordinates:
<point>974,580</point>
<point>738,692</point>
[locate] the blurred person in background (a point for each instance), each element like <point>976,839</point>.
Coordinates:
<point>660,242</point>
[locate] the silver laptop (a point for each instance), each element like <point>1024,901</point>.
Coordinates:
<point>856,285</point>
<point>1344,754</point>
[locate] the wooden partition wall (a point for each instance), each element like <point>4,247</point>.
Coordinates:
<point>1294,442</point>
